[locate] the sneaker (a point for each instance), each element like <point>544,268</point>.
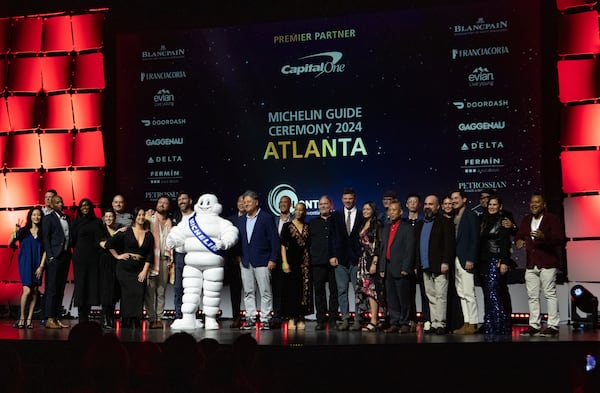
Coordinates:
<point>549,332</point>
<point>530,331</point>
<point>248,325</point>
<point>427,328</point>
<point>265,326</point>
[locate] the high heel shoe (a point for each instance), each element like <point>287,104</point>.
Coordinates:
<point>29,324</point>
<point>20,324</point>
<point>371,327</point>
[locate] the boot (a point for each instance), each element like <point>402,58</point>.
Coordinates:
<point>464,329</point>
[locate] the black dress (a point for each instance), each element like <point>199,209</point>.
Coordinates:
<point>132,291</point>
<point>109,286</point>
<point>85,262</point>
<point>297,296</point>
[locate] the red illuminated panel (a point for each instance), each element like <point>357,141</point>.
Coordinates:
<point>88,184</point>
<point>576,80</point>
<point>23,112</point>
<point>89,149</point>
<point>578,34</point>
<point>4,120</point>
<point>27,35</point>
<point>563,5</point>
<point>87,110</point>
<point>3,143</point>
<point>8,219</point>
<point>88,72</point>
<point>3,73</point>
<point>57,35</point>
<point>9,259</point>
<point>22,188</point>
<point>580,125</point>
<point>4,35</point>
<point>58,113</point>
<point>61,182</point>
<point>582,216</point>
<point>3,194</point>
<point>56,149</point>
<point>10,293</point>
<point>25,74</point>
<point>87,31</point>
<point>56,72</point>
<point>23,151</point>
<point>583,260</point>
<point>580,171</point>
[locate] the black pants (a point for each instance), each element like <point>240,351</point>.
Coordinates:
<point>56,279</point>
<point>325,275</point>
<point>399,299</point>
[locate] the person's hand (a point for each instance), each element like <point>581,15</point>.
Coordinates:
<point>373,269</point>
<point>469,266</point>
<point>333,261</point>
<point>537,234</point>
<point>507,223</point>
<point>19,224</point>
<point>38,272</point>
<point>520,243</point>
<point>503,268</point>
<point>285,267</point>
<point>271,265</point>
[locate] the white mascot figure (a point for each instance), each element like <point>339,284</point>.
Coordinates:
<point>202,236</point>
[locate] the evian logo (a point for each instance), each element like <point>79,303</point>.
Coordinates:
<point>480,77</point>
<point>319,64</point>
<point>480,27</point>
<point>163,97</point>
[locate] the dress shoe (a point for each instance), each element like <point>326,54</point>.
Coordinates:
<point>464,329</point>
<point>440,331</point>
<point>156,325</point>
<point>405,329</point>
<point>320,326</point>
<point>52,324</point>
<point>344,325</point>
<point>392,329</point>
<point>62,325</point>
<point>332,323</point>
<point>236,324</point>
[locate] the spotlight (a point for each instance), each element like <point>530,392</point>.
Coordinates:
<point>584,301</point>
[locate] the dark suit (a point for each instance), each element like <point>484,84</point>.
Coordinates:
<point>58,257</point>
<point>399,271</point>
<point>256,254</point>
<point>347,250</point>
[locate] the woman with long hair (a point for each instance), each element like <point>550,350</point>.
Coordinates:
<point>32,259</point>
<point>369,285</point>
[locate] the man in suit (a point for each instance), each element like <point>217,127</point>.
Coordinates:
<point>435,257</point>
<point>542,236</point>
<point>467,251</point>
<point>396,265</point>
<point>347,224</point>
<point>56,239</point>
<point>260,248</point>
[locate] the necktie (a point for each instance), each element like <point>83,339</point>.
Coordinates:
<point>348,223</point>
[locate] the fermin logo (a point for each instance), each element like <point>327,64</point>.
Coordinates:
<point>159,76</point>
<point>163,54</point>
<point>165,176</point>
<point>163,98</point>
<point>481,104</point>
<point>481,77</point>
<point>482,126</point>
<point>482,145</point>
<point>482,165</point>
<point>480,27</point>
<point>280,190</point>
<point>163,122</point>
<point>478,52</point>
<point>318,64</point>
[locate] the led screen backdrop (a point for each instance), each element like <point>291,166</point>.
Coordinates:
<point>418,101</point>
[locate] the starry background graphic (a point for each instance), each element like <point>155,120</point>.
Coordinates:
<point>398,69</point>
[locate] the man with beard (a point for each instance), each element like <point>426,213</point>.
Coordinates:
<point>435,257</point>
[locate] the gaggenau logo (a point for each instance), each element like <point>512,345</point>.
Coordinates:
<point>484,125</point>
<point>319,64</point>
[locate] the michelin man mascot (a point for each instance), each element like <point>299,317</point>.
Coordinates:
<point>202,236</point>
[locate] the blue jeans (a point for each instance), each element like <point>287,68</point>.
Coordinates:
<point>345,275</point>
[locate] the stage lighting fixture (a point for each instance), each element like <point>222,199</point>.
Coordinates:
<point>584,301</point>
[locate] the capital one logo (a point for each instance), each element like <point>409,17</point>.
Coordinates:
<point>319,63</point>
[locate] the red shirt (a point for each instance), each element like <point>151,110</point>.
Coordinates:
<point>393,229</point>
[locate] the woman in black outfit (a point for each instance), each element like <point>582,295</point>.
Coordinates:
<point>109,287</point>
<point>133,250</point>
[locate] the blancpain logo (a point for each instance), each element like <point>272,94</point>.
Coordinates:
<point>163,53</point>
<point>159,76</point>
<point>164,97</point>
<point>164,159</point>
<point>481,77</point>
<point>480,104</point>
<point>164,141</point>
<point>482,165</point>
<point>328,65</point>
<point>486,125</point>
<point>477,52</point>
<point>482,145</point>
<point>480,27</point>
<point>163,122</point>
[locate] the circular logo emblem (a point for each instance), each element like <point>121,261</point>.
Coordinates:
<point>275,195</point>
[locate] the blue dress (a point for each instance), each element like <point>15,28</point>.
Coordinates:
<point>30,257</point>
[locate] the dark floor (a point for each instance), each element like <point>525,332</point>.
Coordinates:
<point>332,361</point>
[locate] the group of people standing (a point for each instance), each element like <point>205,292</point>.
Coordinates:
<point>292,263</point>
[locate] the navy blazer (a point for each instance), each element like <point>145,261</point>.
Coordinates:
<point>402,250</point>
<point>53,236</point>
<point>347,247</point>
<point>467,238</point>
<point>264,244</point>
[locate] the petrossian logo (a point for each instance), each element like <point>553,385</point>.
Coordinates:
<point>480,77</point>
<point>163,97</point>
<point>163,122</point>
<point>163,54</point>
<point>319,64</point>
<point>480,27</point>
<point>477,52</point>
<point>479,185</point>
<point>165,75</point>
<point>485,125</point>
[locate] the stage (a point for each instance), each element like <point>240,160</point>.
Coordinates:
<point>332,361</point>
